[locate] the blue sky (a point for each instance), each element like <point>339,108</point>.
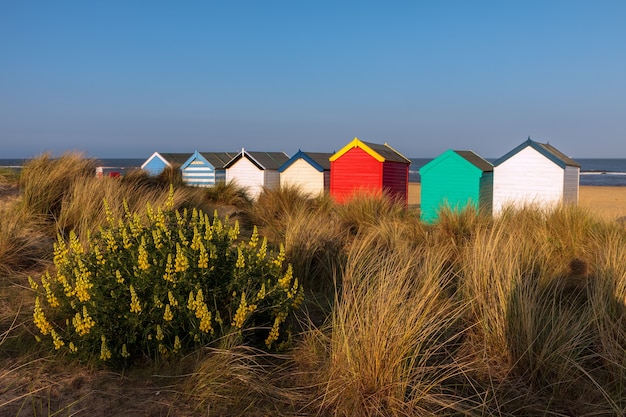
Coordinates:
<point>127,78</point>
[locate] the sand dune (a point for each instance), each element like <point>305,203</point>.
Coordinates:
<point>607,202</point>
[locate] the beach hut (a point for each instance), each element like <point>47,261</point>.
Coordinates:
<point>158,161</point>
<point>534,174</point>
<point>255,170</point>
<point>368,167</point>
<point>205,169</point>
<point>456,180</point>
<point>310,171</point>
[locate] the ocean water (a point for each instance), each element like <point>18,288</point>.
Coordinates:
<point>594,171</point>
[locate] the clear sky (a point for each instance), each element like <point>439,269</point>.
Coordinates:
<point>127,78</point>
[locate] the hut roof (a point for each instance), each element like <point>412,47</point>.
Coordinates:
<point>546,150</point>
<point>262,160</point>
<point>379,152</point>
<point>319,160</point>
<point>476,160</point>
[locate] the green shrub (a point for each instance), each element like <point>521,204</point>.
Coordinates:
<point>161,286</point>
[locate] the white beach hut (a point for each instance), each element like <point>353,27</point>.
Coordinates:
<point>310,171</point>
<point>255,170</point>
<point>534,174</point>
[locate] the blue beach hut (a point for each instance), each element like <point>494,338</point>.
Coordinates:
<point>205,169</point>
<point>158,161</point>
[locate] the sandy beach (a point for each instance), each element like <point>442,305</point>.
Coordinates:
<point>607,202</point>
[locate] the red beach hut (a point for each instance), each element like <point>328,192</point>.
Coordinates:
<point>368,167</point>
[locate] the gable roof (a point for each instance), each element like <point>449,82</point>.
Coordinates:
<point>168,158</point>
<point>379,152</point>
<point>468,156</point>
<point>318,160</point>
<point>218,159</point>
<point>476,160</point>
<point>545,149</point>
<point>262,160</point>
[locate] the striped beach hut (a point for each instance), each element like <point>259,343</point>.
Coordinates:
<point>254,170</point>
<point>369,167</point>
<point>310,171</point>
<point>534,174</point>
<point>456,180</point>
<point>205,169</point>
<point>158,161</point>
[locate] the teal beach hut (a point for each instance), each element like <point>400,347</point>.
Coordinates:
<point>205,169</point>
<point>456,180</point>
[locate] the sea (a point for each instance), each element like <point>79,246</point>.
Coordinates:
<point>593,171</point>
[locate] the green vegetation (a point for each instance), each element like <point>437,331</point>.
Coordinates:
<point>523,315</point>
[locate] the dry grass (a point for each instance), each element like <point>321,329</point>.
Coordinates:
<point>522,315</point>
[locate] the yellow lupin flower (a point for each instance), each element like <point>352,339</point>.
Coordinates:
<point>40,319</point>
<point>205,316</point>
<point>32,283</point>
<point>83,323</point>
<point>56,340</point>
<point>285,281</point>
<point>125,353</point>
<point>173,301</point>
<point>135,305</point>
<point>233,233</point>
<point>60,252</point>
<point>196,241</point>
<point>126,242</point>
<point>167,315</point>
<point>99,258</point>
<point>110,240</point>
<point>182,238</point>
<point>177,344</point>
<point>169,269</point>
<point>75,245</point>
<point>135,226</point>
<point>261,294</point>
<point>105,353</point>
<point>142,259</point>
<point>83,285</point>
<point>181,263</point>
<point>160,220</point>
<point>243,311</point>
<point>293,290</point>
<point>191,302</point>
<point>109,214</point>
<point>241,262</point>
<point>217,223</point>
<point>73,347</point>
<point>262,252</point>
<point>273,336</point>
<point>157,302</point>
<point>159,333</point>
<point>157,238</point>
<point>297,302</point>
<point>45,282</point>
<point>278,261</point>
<point>203,259</point>
<point>67,288</point>
<point>254,239</point>
<point>118,276</point>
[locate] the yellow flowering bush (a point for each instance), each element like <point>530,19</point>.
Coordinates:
<point>163,285</point>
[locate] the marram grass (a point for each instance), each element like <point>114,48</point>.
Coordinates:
<point>523,315</point>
